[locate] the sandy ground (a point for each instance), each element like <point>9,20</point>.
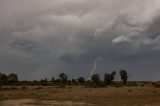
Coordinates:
<point>31,102</point>
<point>22,102</point>
<point>80,96</point>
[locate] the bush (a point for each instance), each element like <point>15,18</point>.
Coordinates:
<point>24,88</point>
<point>109,77</point>
<point>0,86</point>
<point>124,76</point>
<point>39,87</point>
<point>129,90</point>
<point>95,80</point>
<point>13,88</point>
<point>81,80</point>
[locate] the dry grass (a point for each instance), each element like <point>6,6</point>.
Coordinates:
<point>111,96</point>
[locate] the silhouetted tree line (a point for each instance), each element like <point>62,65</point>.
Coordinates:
<point>62,80</point>
<point>109,79</point>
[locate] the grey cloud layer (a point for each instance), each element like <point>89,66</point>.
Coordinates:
<point>40,38</point>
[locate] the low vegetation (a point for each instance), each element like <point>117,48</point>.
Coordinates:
<point>106,96</point>
<point>79,90</point>
<point>63,80</point>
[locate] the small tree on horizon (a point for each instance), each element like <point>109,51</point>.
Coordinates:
<point>109,77</point>
<point>81,80</point>
<point>73,80</point>
<point>53,80</point>
<point>12,78</point>
<point>63,77</point>
<point>3,78</point>
<point>96,80</point>
<point>124,76</point>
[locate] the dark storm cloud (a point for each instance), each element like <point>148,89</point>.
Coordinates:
<point>23,45</point>
<point>144,38</point>
<point>39,38</point>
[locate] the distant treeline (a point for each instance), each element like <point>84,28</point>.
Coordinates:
<point>63,80</point>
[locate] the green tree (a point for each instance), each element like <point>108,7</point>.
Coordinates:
<point>124,76</point>
<point>12,78</point>
<point>63,77</point>
<point>0,78</point>
<point>73,80</point>
<point>113,74</point>
<point>109,77</point>
<point>53,80</point>
<point>44,82</point>
<point>58,81</point>
<point>96,80</point>
<point>0,82</point>
<point>3,79</point>
<point>81,80</point>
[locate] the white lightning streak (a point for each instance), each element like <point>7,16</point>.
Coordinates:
<point>93,69</point>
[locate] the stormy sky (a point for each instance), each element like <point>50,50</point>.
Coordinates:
<point>42,38</point>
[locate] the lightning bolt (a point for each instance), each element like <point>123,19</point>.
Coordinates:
<point>93,69</point>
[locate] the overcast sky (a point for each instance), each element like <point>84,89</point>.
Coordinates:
<point>42,38</point>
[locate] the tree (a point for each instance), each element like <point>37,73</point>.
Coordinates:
<point>63,77</point>
<point>3,78</point>
<point>0,78</point>
<point>96,79</point>
<point>57,81</point>
<point>124,76</point>
<point>109,77</point>
<point>53,80</point>
<point>0,81</point>
<point>44,82</point>
<point>81,80</point>
<point>12,78</point>
<point>113,74</point>
<point>73,80</point>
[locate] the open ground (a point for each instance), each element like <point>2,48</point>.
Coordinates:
<point>79,96</point>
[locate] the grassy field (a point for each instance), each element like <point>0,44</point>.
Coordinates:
<point>80,96</point>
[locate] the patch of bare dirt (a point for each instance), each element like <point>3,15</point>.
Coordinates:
<point>22,102</point>
<point>30,102</point>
